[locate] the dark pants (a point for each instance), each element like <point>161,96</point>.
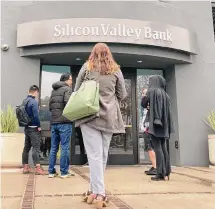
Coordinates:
<point>162,156</point>
<point>147,142</point>
<point>81,144</point>
<point>46,146</point>
<point>32,139</point>
<point>60,134</point>
<point>80,138</point>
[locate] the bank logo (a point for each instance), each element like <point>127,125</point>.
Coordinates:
<point>118,31</point>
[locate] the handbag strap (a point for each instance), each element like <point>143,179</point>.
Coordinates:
<point>87,73</point>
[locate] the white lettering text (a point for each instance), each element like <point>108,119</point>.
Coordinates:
<point>119,31</point>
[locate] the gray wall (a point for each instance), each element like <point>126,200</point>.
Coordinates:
<point>195,87</point>
<point>191,86</point>
<point>17,74</point>
<point>171,90</point>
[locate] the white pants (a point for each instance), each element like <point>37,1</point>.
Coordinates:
<point>97,144</point>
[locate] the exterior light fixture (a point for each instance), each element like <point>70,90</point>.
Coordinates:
<point>4,47</point>
<point>139,61</point>
<point>78,59</point>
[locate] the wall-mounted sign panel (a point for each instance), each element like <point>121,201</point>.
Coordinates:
<point>81,30</point>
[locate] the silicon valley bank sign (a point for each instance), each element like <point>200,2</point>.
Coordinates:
<point>107,30</point>
<point>120,30</point>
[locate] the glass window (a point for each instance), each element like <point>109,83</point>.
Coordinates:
<point>49,75</point>
<point>142,82</point>
<point>122,143</point>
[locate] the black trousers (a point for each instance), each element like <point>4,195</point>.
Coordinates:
<point>162,156</point>
<point>45,145</point>
<point>81,142</point>
<point>32,139</point>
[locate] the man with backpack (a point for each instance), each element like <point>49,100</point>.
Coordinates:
<point>28,117</point>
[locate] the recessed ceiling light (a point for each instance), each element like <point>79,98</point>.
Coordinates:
<point>78,59</point>
<point>139,61</point>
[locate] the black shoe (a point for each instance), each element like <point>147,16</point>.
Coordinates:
<point>152,171</point>
<point>158,178</point>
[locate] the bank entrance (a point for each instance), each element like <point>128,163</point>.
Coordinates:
<point>125,149</point>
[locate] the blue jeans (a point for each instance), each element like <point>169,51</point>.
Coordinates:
<point>60,134</point>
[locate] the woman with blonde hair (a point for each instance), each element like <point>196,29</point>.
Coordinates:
<point>97,130</point>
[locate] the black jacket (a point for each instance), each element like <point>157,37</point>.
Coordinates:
<point>160,117</point>
<point>59,97</point>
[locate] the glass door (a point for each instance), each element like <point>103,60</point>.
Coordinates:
<point>142,82</point>
<point>123,147</point>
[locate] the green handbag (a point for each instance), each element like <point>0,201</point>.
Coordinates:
<point>84,102</point>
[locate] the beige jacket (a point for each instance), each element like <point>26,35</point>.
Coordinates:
<point>112,90</point>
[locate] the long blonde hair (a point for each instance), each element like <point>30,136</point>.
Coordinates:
<point>101,60</point>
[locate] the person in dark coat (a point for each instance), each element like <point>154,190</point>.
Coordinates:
<point>160,124</point>
<point>61,128</point>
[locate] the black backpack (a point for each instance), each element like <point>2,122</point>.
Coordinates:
<point>21,113</point>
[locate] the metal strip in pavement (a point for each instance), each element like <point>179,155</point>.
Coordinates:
<point>28,196</point>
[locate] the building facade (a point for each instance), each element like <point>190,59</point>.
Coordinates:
<point>173,39</point>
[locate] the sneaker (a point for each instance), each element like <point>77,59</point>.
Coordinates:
<point>26,169</point>
<point>68,175</point>
<point>53,175</point>
<point>39,171</point>
<point>151,171</point>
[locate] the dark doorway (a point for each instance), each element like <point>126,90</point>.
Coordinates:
<point>123,148</point>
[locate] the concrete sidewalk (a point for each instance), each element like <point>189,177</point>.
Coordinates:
<point>128,187</point>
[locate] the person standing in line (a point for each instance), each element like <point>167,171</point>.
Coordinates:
<point>98,130</point>
<point>32,133</point>
<point>148,147</point>
<point>160,124</point>
<point>61,128</point>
